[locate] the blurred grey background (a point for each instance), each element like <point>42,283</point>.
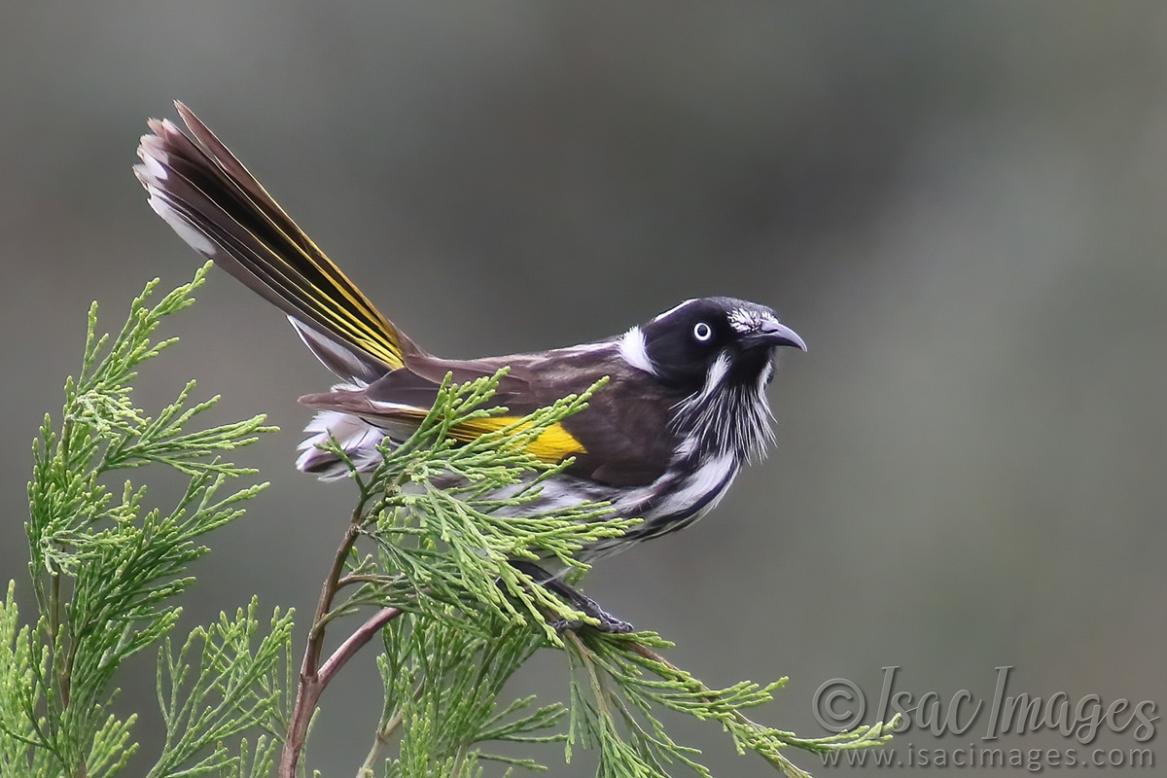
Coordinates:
<point>960,205</point>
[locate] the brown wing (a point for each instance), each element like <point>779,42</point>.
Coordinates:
<point>622,439</point>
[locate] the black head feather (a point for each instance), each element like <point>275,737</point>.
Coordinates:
<point>686,344</point>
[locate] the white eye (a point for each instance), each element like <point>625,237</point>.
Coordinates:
<point>702,332</point>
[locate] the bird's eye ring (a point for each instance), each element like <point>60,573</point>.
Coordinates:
<point>702,331</point>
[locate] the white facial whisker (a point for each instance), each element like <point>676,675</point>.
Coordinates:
<point>727,418</point>
<point>716,375</point>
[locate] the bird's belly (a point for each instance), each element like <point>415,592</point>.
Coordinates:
<point>674,501</point>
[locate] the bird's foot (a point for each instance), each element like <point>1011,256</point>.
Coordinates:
<point>607,622</point>
<point>586,605</point>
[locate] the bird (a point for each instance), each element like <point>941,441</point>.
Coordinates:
<point>684,410</point>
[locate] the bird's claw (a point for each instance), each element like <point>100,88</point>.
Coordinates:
<point>607,623</point>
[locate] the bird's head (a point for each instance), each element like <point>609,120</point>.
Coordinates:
<point>710,343</point>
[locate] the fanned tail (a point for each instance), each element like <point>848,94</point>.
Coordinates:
<point>210,199</point>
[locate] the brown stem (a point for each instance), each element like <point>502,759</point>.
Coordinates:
<point>309,691</point>
<point>355,642</point>
<point>651,655</point>
<point>314,677</point>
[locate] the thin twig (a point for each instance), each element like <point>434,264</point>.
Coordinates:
<point>380,739</point>
<point>355,643</point>
<point>654,656</point>
<point>312,680</point>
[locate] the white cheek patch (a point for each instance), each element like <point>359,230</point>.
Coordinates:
<point>634,350</point>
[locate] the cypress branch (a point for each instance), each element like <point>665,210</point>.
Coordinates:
<point>422,571</point>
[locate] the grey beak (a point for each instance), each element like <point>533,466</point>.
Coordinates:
<point>773,334</point>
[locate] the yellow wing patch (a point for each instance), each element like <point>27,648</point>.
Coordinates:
<point>552,445</point>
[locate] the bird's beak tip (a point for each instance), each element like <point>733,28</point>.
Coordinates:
<point>777,334</point>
